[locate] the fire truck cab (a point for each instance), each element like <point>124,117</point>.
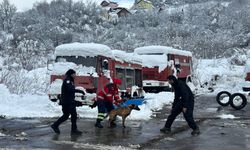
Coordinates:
<point>95,66</point>
<point>160,62</point>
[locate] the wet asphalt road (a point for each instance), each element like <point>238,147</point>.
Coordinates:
<point>216,133</point>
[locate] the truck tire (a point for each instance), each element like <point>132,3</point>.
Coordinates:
<point>238,101</point>
<point>223,98</point>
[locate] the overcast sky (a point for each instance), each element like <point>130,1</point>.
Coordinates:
<point>27,4</point>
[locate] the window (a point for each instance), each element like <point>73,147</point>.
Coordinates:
<point>79,60</point>
<point>130,77</point>
<point>120,73</point>
<point>138,78</point>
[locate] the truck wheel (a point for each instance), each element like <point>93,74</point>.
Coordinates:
<point>223,98</point>
<point>238,101</point>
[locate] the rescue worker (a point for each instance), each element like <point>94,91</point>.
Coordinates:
<point>68,103</point>
<point>105,99</point>
<point>183,102</point>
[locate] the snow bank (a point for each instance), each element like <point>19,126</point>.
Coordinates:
<point>229,77</point>
<point>153,102</point>
<point>226,116</point>
<point>23,81</point>
<point>13,105</point>
<point>26,105</point>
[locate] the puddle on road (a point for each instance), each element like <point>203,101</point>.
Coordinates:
<point>169,139</point>
<point>211,109</point>
<point>248,136</point>
<point>132,124</point>
<point>42,126</point>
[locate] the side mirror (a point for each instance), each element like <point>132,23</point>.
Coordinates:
<point>178,68</point>
<point>105,64</point>
<point>50,62</point>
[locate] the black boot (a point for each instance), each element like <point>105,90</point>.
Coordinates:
<point>196,131</point>
<point>76,132</point>
<point>55,129</point>
<point>112,124</point>
<point>98,123</point>
<point>165,130</point>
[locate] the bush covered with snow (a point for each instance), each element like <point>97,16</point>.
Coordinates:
<point>219,74</point>
<point>23,81</point>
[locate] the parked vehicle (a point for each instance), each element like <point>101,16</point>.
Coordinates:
<point>238,100</point>
<point>96,65</point>
<point>160,62</point>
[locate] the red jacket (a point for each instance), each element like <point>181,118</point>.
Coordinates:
<point>109,93</point>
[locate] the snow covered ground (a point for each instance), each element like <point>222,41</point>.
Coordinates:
<point>230,78</point>
<point>40,106</point>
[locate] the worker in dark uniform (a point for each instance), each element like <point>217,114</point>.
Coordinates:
<point>68,103</point>
<point>183,102</point>
<point>108,96</point>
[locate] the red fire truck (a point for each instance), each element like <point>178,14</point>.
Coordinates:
<point>95,65</point>
<point>160,62</point>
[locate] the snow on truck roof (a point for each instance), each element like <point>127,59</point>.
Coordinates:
<point>120,55</point>
<point>154,50</point>
<point>83,49</point>
<point>94,49</point>
<point>153,55</point>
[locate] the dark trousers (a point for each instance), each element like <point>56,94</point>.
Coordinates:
<point>188,115</point>
<point>68,110</point>
<point>103,107</point>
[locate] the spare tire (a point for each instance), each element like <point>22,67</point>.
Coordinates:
<point>223,98</point>
<point>238,101</point>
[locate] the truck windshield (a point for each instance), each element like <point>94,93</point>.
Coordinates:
<point>79,60</point>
